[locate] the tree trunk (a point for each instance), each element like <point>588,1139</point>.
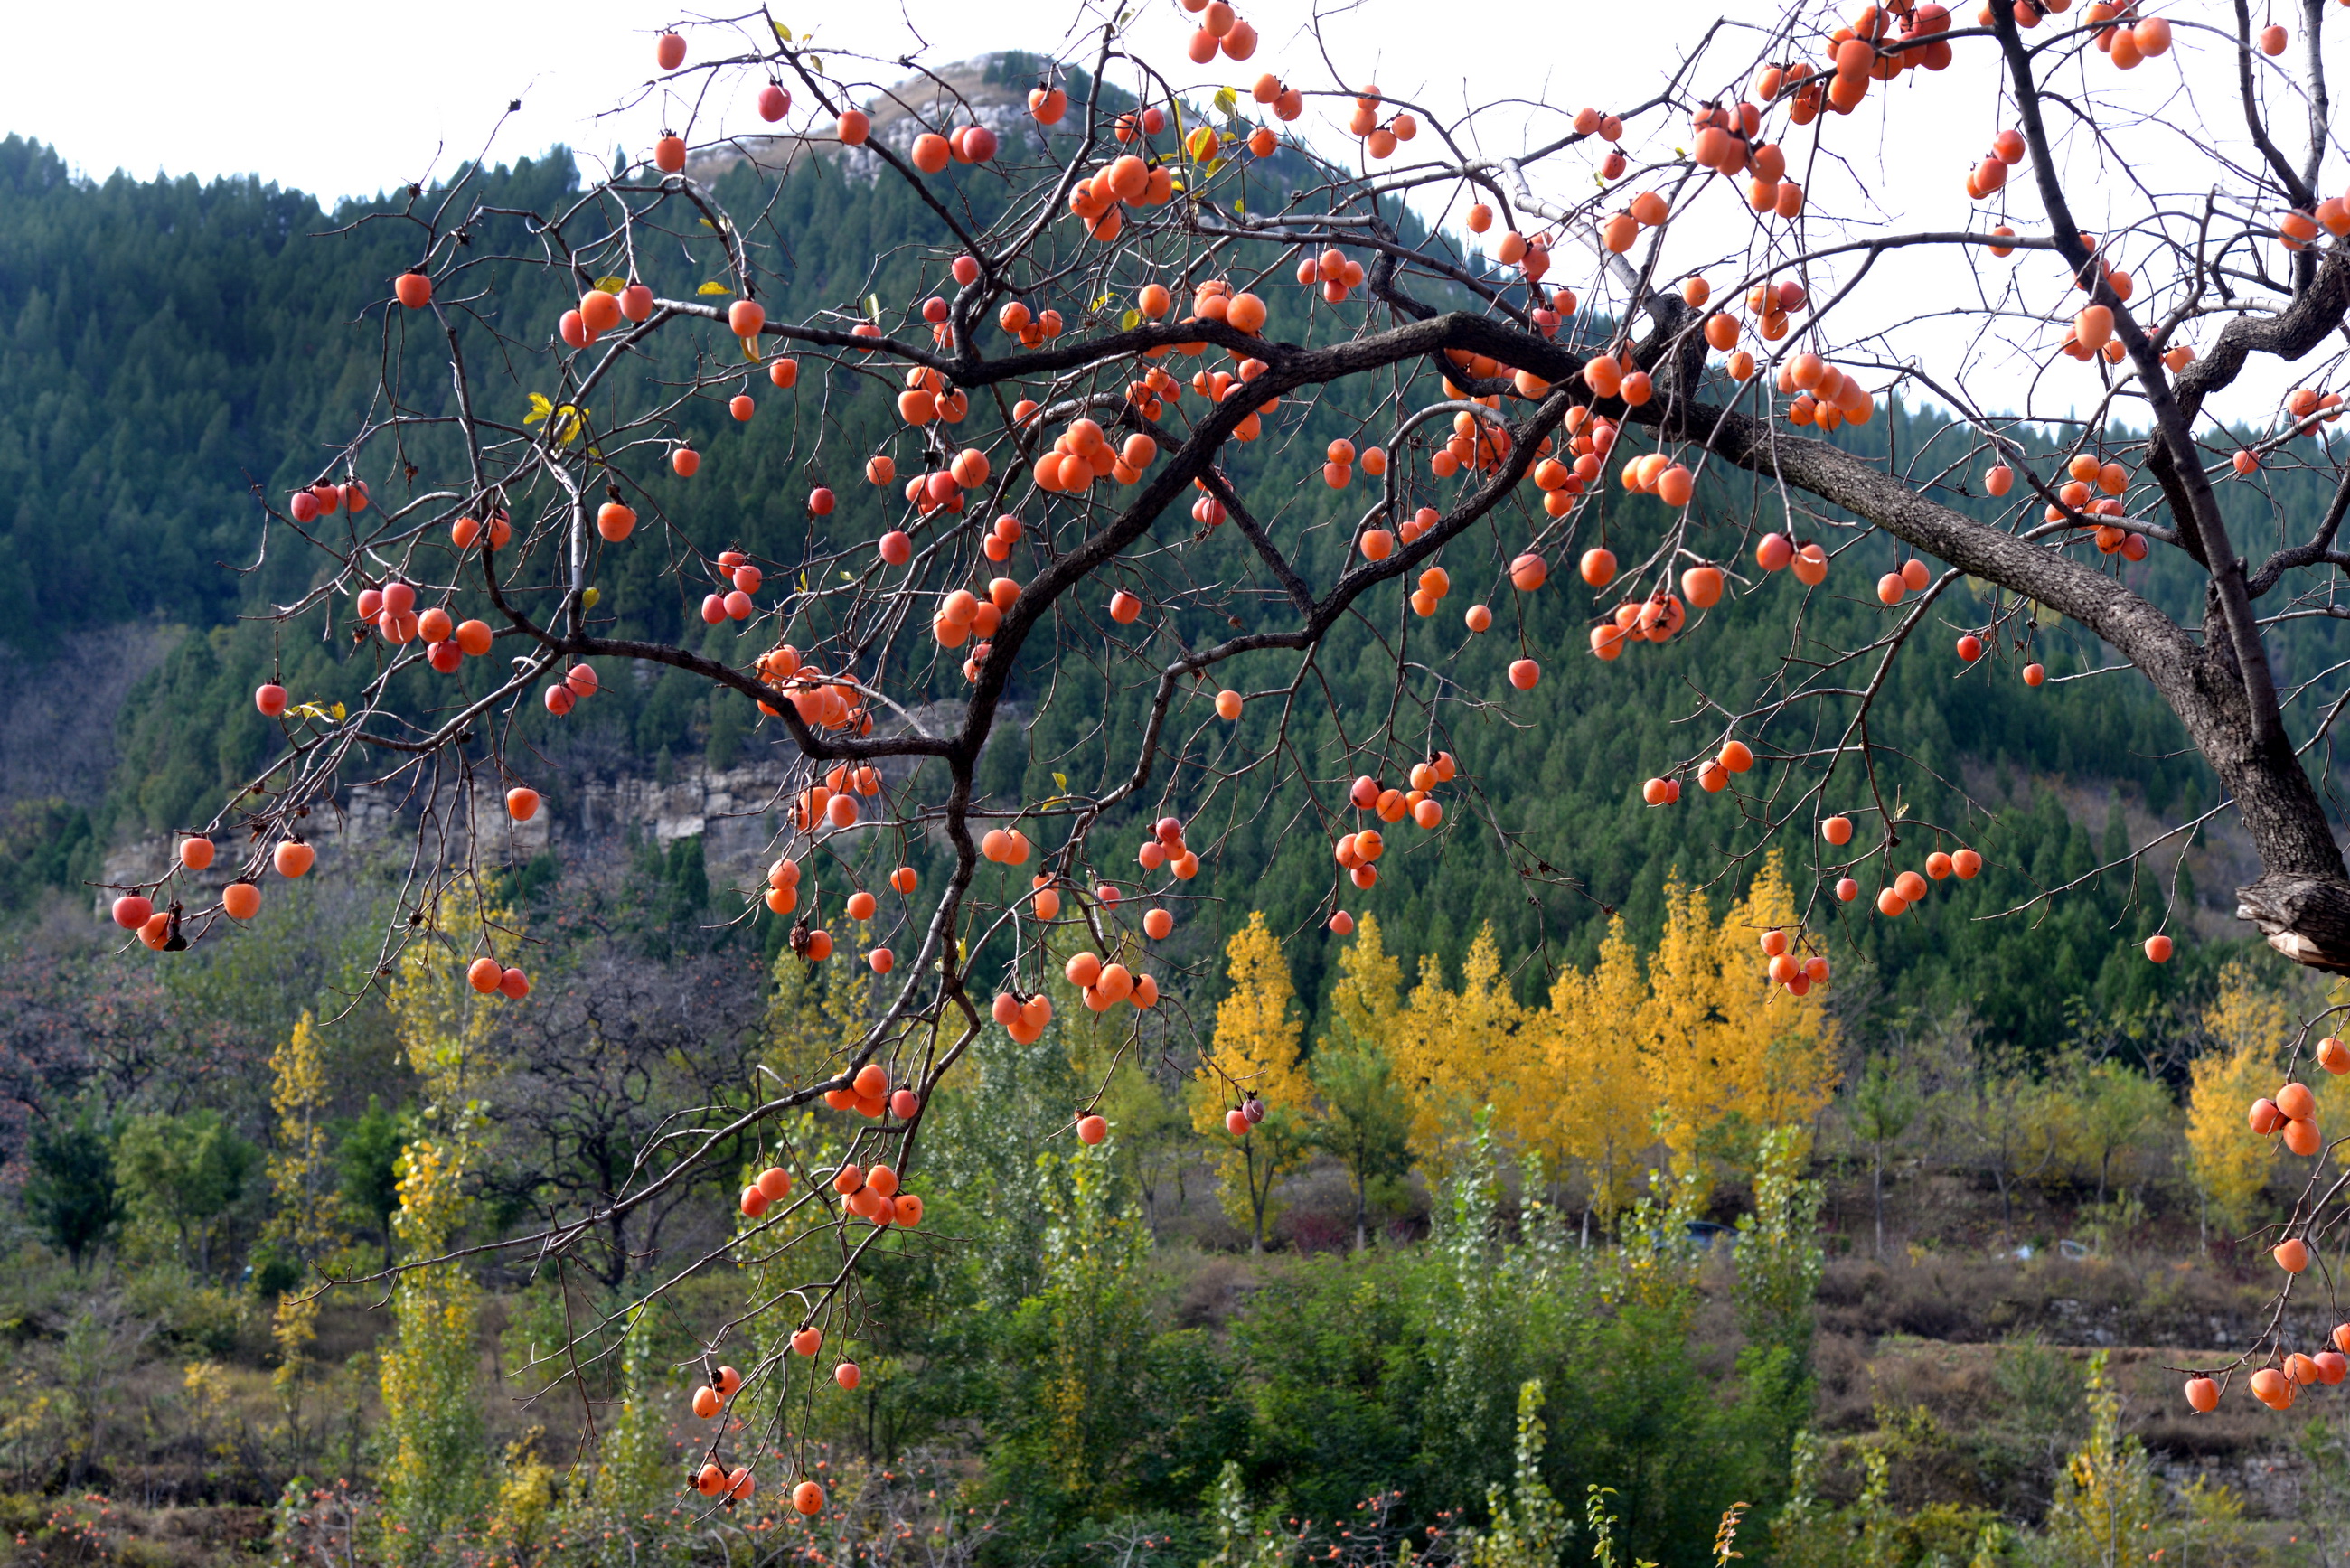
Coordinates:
<point>2300,901</point>
<point>619,1272</point>
<point>1877,1193</point>
<point>1259,1197</point>
<point>1362,1211</point>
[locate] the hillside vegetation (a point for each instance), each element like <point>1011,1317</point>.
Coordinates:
<point>1566,1233</point>
<point>169,347</point>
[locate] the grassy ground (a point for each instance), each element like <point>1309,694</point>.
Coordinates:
<point>143,1424</point>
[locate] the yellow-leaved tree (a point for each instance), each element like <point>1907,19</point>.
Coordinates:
<point>1460,1051</point>
<point>1731,1055</point>
<point>1591,1109</point>
<point>2250,1024</point>
<point>1254,1052</point>
<point>1368,996</point>
<point>307,1225</point>
<point>1366,1116</point>
<point>815,1014</point>
<point>432,1475</point>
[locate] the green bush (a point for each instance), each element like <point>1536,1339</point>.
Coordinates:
<point>192,1313</point>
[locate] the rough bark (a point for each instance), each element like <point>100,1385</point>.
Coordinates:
<point>2301,903</point>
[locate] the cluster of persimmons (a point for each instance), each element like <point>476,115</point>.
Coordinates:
<point>1200,322</point>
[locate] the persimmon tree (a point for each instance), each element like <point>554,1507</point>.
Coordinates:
<point>1655,355</point>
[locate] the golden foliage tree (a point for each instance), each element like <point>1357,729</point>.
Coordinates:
<point>1732,1056</point>
<point>1460,1051</point>
<point>2249,1025</point>
<point>815,1014</point>
<point>1255,1051</point>
<point>308,1221</point>
<point>1365,1117</point>
<point>432,1474</point>
<point>1590,1108</point>
<point>1701,1044</point>
<point>2108,1500</point>
<point>1369,994</point>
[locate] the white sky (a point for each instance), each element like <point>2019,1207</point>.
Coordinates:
<point>338,99</point>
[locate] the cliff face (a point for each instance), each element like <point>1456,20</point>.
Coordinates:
<point>737,813</point>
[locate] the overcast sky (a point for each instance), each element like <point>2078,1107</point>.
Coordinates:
<point>340,99</point>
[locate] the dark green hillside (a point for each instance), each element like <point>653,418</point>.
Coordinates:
<point>166,346</point>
